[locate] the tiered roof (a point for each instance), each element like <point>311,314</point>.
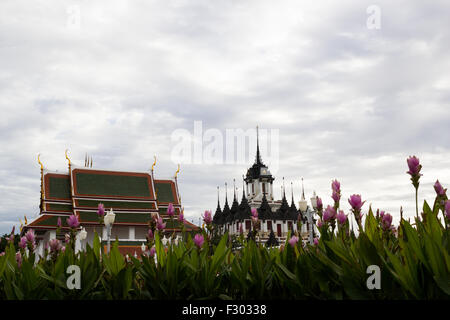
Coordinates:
<point>133,196</point>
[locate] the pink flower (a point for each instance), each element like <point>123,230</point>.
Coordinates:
<point>329,214</point>
<point>198,240</point>
<point>316,241</point>
<point>341,217</point>
<point>293,241</point>
<point>381,214</point>
<point>170,210</point>
<point>2,254</point>
<point>207,218</point>
<point>66,238</point>
<point>355,202</point>
<point>54,245</point>
<point>101,210</point>
<point>30,236</point>
<point>439,189</point>
<point>150,234</point>
<point>254,213</point>
<point>414,166</point>
<point>19,259</point>
<point>23,242</point>
<point>336,186</point>
<point>63,249</point>
<point>59,223</point>
<point>159,224</point>
<point>319,204</point>
<point>386,222</point>
<point>152,252</point>
<point>181,217</point>
<point>447,209</point>
<point>319,223</point>
<point>73,222</point>
<point>336,196</point>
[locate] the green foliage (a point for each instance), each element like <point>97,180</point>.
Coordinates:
<point>414,264</point>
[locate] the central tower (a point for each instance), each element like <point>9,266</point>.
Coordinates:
<point>259,180</point>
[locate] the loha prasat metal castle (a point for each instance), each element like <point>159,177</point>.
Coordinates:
<point>277,217</point>
<point>133,196</point>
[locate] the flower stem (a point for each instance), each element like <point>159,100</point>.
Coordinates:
<point>417,205</point>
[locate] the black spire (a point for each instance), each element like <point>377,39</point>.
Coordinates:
<point>258,154</point>
<point>234,208</point>
<point>283,212</point>
<point>226,208</point>
<point>264,211</point>
<point>216,218</point>
<point>259,169</point>
<point>293,212</point>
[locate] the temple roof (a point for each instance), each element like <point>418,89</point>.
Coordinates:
<point>244,210</point>
<point>264,211</point>
<point>259,169</point>
<point>283,211</point>
<point>225,212</point>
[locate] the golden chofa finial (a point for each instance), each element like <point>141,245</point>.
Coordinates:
<point>39,161</point>
<point>176,173</point>
<point>154,163</point>
<point>67,157</point>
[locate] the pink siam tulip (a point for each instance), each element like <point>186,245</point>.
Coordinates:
<point>67,238</point>
<point>319,204</point>
<point>19,259</point>
<point>152,252</point>
<point>181,217</point>
<point>329,214</point>
<point>316,241</point>
<point>254,213</point>
<point>73,222</point>
<point>447,209</point>
<point>160,225</point>
<point>440,191</point>
<point>150,234</point>
<point>30,236</point>
<point>341,218</point>
<point>355,202</point>
<point>414,166</point>
<point>319,223</point>
<point>414,170</point>
<point>198,240</point>
<point>59,223</point>
<point>63,249</point>
<point>101,210</point>
<point>336,197</point>
<point>336,186</point>
<point>23,242</point>
<point>293,241</point>
<point>170,210</point>
<point>386,222</point>
<point>207,218</point>
<point>54,245</point>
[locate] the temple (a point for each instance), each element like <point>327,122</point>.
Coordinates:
<point>277,217</point>
<point>133,196</point>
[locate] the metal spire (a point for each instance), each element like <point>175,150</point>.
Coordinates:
<point>226,194</point>
<point>243,187</point>
<point>284,189</point>
<point>303,191</point>
<point>234,188</point>
<point>292,192</point>
<point>258,155</point>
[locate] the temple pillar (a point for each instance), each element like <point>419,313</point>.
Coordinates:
<point>131,233</point>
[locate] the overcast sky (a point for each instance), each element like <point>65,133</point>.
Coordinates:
<point>115,80</point>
